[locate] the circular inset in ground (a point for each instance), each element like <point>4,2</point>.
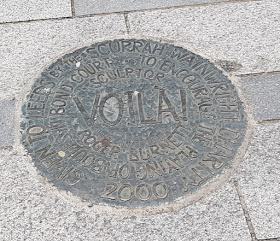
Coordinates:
<point>132,123</point>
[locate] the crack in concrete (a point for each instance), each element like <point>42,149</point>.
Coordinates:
<point>246,212</point>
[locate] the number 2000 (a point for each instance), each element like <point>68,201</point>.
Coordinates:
<point>143,192</point>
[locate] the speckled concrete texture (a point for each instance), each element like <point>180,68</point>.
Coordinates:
<point>7,114</point>
<point>258,177</point>
<point>26,48</point>
<point>22,10</point>
<point>263,94</point>
<point>246,33</point>
<point>29,210</point>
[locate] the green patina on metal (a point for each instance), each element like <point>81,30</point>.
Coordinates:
<point>132,122</point>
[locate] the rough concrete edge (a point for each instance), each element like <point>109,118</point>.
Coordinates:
<point>176,205</point>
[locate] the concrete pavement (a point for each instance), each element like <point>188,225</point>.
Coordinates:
<point>242,37</point>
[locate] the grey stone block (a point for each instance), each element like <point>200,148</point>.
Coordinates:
<point>246,33</point>
<point>28,47</point>
<point>7,113</point>
<point>22,10</point>
<point>263,94</point>
<point>84,7</point>
<point>259,181</point>
<point>32,211</point>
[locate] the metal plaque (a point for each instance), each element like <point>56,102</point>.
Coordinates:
<point>132,122</point>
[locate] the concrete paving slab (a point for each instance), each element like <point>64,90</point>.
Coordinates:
<point>245,33</point>
<point>7,113</point>
<point>22,10</point>
<point>84,7</point>
<point>32,211</point>
<point>27,47</point>
<point>258,178</point>
<point>263,94</point>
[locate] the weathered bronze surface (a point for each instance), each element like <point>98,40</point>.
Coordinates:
<point>132,122</point>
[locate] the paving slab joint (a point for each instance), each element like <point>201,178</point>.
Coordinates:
<point>126,22</point>
<point>73,8</point>
<point>258,74</point>
<point>36,20</point>
<point>6,148</point>
<point>270,239</point>
<point>273,121</point>
<point>245,211</point>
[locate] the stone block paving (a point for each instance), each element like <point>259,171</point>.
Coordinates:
<point>240,36</point>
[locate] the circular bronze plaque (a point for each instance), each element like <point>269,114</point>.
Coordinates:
<point>132,122</point>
